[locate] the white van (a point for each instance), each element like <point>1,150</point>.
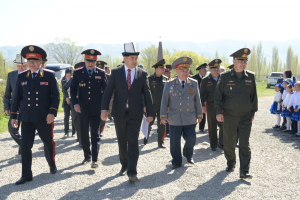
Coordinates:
<point>272,79</point>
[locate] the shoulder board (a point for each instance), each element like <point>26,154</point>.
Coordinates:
<point>164,76</point>
<point>151,75</point>
<point>250,72</point>
<point>192,79</point>
<point>100,69</point>
<point>24,71</point>
<point>172,79</point>
<point>226,72</point>
<point>79,68</point>
<point>205,76</point>
<point>48,70</point>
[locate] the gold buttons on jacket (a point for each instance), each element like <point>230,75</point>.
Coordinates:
<point>37,92</point>
<point>36,98</point>
<point>89,98</point>
<point>180,109</point>
<point>28,104</point>
<point>188,109</point>
<point>28,92</point>
<point>188,103</point>
<point>180,104</point>
<point>28,98</point>
<point>89,87</point>
<point>89,82</point>
<point>89,92</point>
<point>37,104</point>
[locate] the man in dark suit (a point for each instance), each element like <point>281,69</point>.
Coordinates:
<point>202,72</point>
<point>37,92</point>
<point>12,78</point>
<point>88,83</point>
<point>128,83</point>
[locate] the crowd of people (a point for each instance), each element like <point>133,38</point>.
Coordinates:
<point>126,94</point>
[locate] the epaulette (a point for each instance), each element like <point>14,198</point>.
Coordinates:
<point>172,79</point>
<point>48,70</point>
<point>79,68</point>
<point>24,71</point>
<point>100,69</point>
<point>226,72</point>
<point>164,76</point>
<point>250,72</point>
<point>192,79</point>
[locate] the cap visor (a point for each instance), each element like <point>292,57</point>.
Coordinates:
<point>90,60</point>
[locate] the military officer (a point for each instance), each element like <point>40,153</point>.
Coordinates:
<point>202,73</point>
<point>207,94</point>
<point>182,96</point>
<point>37,92</point>
<point>89,81</point>
<point>230,66</point>
<point>168,70</point>
<point>157,82</point>
<point>236,104</point>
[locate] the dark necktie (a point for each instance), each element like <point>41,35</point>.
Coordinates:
<point>182,84</point>
<point>34,74</point>
<point>90,72</point>
<point>128,81</point>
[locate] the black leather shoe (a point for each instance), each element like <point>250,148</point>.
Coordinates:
<point>297,135</point>
<point>162,146</point>
<point>73,135</point>
<point>245,175</point>
<point>221,147</point>
<point>276,126</point>
<point>286,131</point>
<point>94,164</point>
<point>66,135</point>
<point>23,180</point>
<point>145,141</point>
<point>175,166</point>
<point>214,149</point>
<point>191,161</point>
<point>202,131</point>
<point>123,171</point>
<point>53,170</point>
<point>229,168</point>
<point>133,178</point>
<point>282,127</point>
<point>101,134</point>
<point>86,160</point>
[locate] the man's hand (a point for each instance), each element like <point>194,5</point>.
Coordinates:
<point>145,110</point>
<point>104,115</point>
<point>7,112</point>
<point>220,118</point>
<point>68,100</point>
<point>77,108</point>
<point>149,119</point>
<point>14,123</point>
<point>204,109</point>
<point>164,121</point>
<point>199,120</point>
<point>50,118</point>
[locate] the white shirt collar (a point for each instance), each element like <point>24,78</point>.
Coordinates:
<point>126,68</point>
<point>181,81</point>
<point>36,71</point>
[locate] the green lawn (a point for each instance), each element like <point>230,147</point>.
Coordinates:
<point>4,123</point>
<point>263,91</point>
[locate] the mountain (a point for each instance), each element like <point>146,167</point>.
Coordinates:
<point>224,47</point>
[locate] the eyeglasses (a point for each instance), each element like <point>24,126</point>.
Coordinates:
<point>32,61</point>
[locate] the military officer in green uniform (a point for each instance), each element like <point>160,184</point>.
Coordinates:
<point>207,95</point>
<point>157,82</point>
<point>236,104</point>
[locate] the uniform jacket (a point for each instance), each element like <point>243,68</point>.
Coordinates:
<point>117,85</point>
<point>10,89</point>
<point>157,87</point>
<point>65,87</point>
<point>39,96</point>
<point>207,89</point>
<point>184,103</point>
<point>236,95</point>
<point>89,90</point>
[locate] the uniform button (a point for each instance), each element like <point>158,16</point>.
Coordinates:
<point>89,98</point>
<point>180,104</point>
<point>188,109</point>
<point>188,97</point>
<point>89,82</point>
<point>90,76</point>
<point>188,104</point>
<point>28,104</point>
<point>28,92</point>
<point>180,109</point>
<point>28,98</point>
<point>89,87</point>
<point>89,92</point>
<point>37,104</point>
<point>37,92</point>
<point>180,97</point>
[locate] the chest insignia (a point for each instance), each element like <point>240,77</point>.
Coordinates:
<point>43,83</point>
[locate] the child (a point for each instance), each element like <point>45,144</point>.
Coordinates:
<point>291,107</point>
<point>296,104</point>
<point>276,107</point>
<point>285,112</point>
<point>285,83</point>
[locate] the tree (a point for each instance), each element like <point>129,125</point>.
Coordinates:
<point>275,60</point>
<point>289,58</point>
<point>260,61</point>
<point>63,50</point>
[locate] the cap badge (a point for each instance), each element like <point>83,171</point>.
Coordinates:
<point>216,60</point>
<point>92,51</point>
<point>245,50</point>
<point>31,48</point>
<point>92,57</point>
<point>184,59</point>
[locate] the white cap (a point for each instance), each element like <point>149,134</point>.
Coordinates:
<point>19,59</point>
<point>129,49</point>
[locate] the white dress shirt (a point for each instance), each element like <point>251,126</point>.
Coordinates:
<point>132,73</point>
<point>35,72</point>
<point>180,81</point>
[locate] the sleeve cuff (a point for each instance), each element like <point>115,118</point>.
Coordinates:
<point>53,111</point>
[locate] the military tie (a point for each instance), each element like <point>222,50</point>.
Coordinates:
<point>90,72</point>
<point>34,74</point>
<point>182,84</point>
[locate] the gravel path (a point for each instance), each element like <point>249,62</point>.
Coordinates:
<point>274,165</point>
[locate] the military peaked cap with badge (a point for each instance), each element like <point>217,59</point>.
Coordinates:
<point>160,64</point>
<point>241,54</point>
<point>204,65</point>
<point>90,55</point>
<point>32,52</point>
<point>129,50</point>
<point>168,68</point>
<point>101,64</point>
<point>20,59</point>
<point>80,64</point>
<point>182,63</point>
<point>215,63</point>
<point>230,66</point>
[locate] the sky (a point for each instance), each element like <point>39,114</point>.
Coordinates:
<point>119,21</point>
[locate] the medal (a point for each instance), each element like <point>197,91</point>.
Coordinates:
<point>230,88</point>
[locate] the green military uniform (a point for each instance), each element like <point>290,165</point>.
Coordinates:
<point>207,94</point>
<point>236,98</point>
<point>157,87</point>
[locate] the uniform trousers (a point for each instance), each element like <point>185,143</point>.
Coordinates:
<point>237,125</point>
<point>128,131</point>
<point>28,133</point>
<point>189,135</point>
<point>212,126</point>
<point>161,130</point>
<point>93,122</point>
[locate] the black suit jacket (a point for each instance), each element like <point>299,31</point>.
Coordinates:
<point>117,84</point>
<point>12,78</point>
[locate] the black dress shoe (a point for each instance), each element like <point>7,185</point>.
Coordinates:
<point>94,164</point>
<point>66,135</point>
<point>245,175</point>
<point>133,178</point>
<point>53,170</point>
<point>230,168</point>
<point>286,131</point>
<point>191,161</point>
<point>145,141</point>
<point>123,171</point>
<point>297,135</point>
<point>282,127</point>
<point>202,131</point>
<point>86,160</point>
<point>214,149</point>
<point>221,147</point>
<point>175,166</point>
<point>162,146</point>
<point>276,126</point>
<point>73,135</point>
<point>23,180</point>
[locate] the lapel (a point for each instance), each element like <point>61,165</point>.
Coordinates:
<point>136,75</point>
<point>123,77</point>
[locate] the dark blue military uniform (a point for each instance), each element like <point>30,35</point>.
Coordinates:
<point>38,96</point>
<point>89,99</point>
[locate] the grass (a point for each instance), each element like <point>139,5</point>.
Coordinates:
<point>4,123</point>
<point>263,91</point>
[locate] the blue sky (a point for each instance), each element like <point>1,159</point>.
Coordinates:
<point>119,21</point>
